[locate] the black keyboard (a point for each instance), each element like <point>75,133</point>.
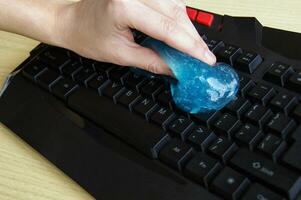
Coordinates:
<point>251,149</point>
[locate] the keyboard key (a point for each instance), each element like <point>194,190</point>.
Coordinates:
<point>63,87</point>
<point>180,126</point>
<point>245,84</point>
<point>176,154</point>
<point>118,74</point>
<point>261,169</point>
<point>83,75</point>
<point>131,128</point>
<point>192,13</point>
<point>103,68</point>
<point>238,107</point>
<point>222,148</point>
<point>165,98</point>
<point>134,81</point>
<point>214,45</point>
<point>230,184</point>
<point>248,135</point>
<point>228,54</point>
<point>248,62</point>
<point>281,125</point>
<point>283,102</point>
<point>152,88</point>
<point>71,68</point>
<point>47,78</point>
<point>128,98</point>
<point>55,58</point>
<point>272,146</point>
<point>259,192</point>
<point>201,137</point>
<point>261,93</point>
<point>145,107</point>
<point>292,156</point>
<point>297,113</point>
<point>294,82</point>
<point>296,135</point>
<point>97,82</point>
<point>33,69</point>
<point>113,90</point>
<point>86,62</point>
<point>205,18</point>
<point>202,168</point>
<point>162,116</point>
<point>278,73</point>
<point>226,125</point>
<point>207,119</point>
<point>258,115</point>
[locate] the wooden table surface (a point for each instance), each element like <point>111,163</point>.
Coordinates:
<point>24,174</point>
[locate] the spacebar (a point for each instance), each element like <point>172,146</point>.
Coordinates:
<point>119,121</point>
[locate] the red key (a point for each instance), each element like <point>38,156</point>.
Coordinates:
<point>192,13</point>
<point>205,18</point>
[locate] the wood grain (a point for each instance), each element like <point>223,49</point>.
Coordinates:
<point>25,174</point>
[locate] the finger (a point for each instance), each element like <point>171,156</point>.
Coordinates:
<point>163,28</point>
<point>176,10</point>
<point>135,55</point>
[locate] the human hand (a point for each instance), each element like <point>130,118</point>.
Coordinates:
<point>101,30</point>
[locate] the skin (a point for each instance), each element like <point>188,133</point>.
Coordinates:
<point>101,29</point>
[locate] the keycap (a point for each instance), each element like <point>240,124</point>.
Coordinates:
<point>162,116</point>
<point>281,125</point>
<point>273,175</point>
<point>248,135</point>
<point>272,146</point>
<point>238,107</point>
<point>200,137</point>
<point>294,82</point>
<point>207,119</point>
<point>292,156</point>
<point>283,102</point>
<point>83,75</point>
<point>248,62</point>
<point>258,115</point>
<point>128,98</point>
<point>228,54</point>
<point>180,126</point>
<point>112,90</point>
<point>202,168</point>
<point>176,153</point>
<point>245,84</point>
<point>97,82</point>
<point>129,127</point>
<point>261,93</point>
<point>47,78</point>
<point>222,148</point>
<point>230,184</point>
<point>134,81</point>
<point>259,192</point>
<point>86,62</point>
<point>214,45</point>
<point>296,135</point>
<point>145,107</point>
<point>54,58</point>
<point>33,69</point>
<point>63,87</point>
<point>278,73</point>
<point>152,88</point>
<point>71,68</point>
<point>165,98</point>
<point>297,113</point>
<point>118,74</point>
<point>205,18</point>
<point>103,68</point>
<point>226,125</point>
<point>192,13</point>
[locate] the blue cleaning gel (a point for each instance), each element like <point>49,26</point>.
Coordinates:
<point>200,88</point>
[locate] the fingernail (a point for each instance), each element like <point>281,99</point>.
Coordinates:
<point>210,57</point>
